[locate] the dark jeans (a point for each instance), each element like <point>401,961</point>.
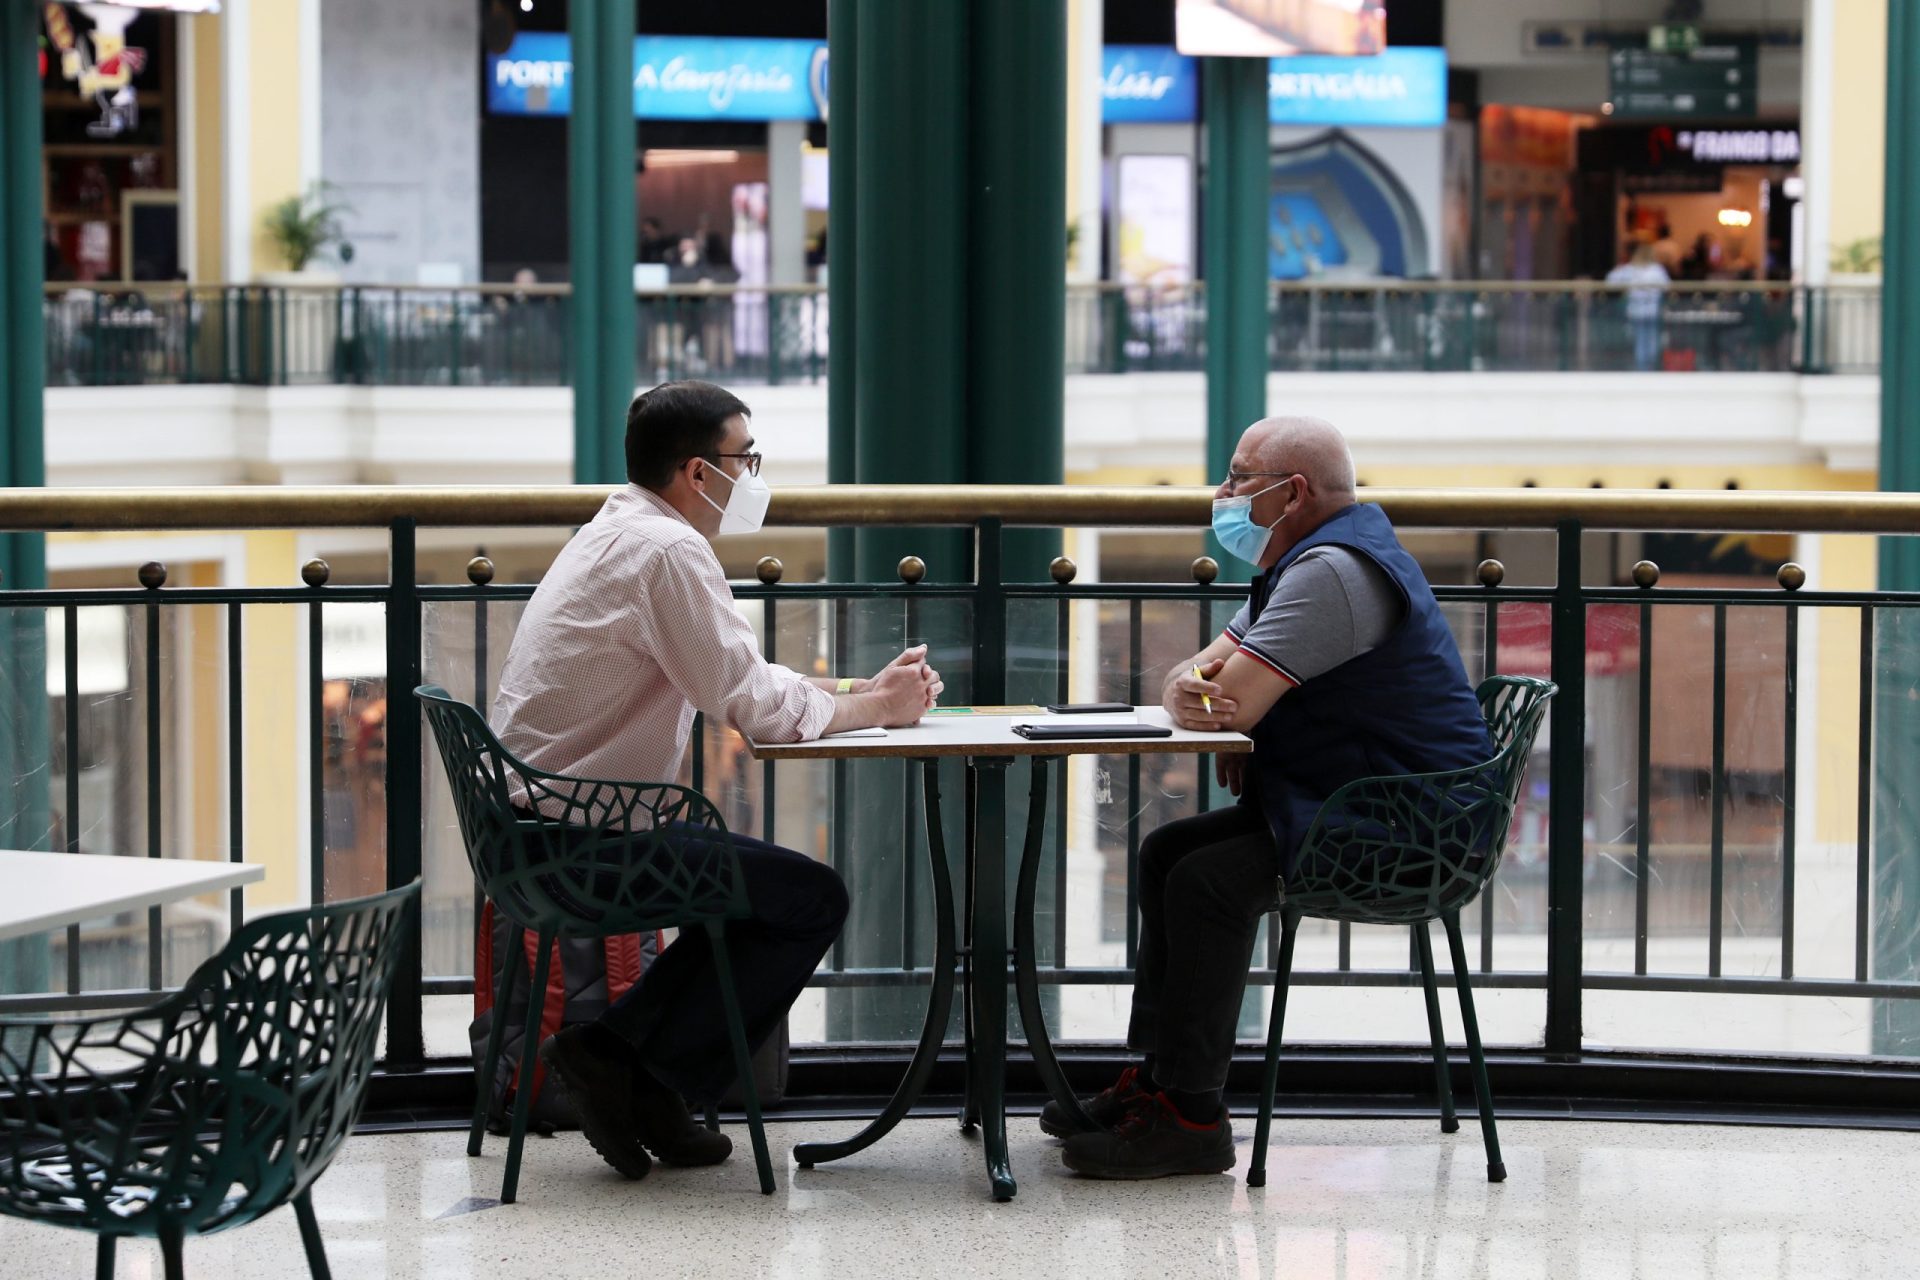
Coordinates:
<point>674,1016</point>
<point>1205,882</point>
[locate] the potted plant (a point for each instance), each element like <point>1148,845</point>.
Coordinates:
<point>302,228</point>
<point>299,325</point>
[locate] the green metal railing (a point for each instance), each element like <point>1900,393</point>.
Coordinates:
<point>108,335</point>
<point>1613,848</point>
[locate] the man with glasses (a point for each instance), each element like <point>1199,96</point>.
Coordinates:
<point>630,633</point>
<point>1340,666</point>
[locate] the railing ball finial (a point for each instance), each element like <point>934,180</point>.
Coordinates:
<point>912,570</point>
<point>1063,570</point>
<point>480,571</point>
<point>153,575</point>
<point>315,572</point>
<point>1645,574</point>
<point>1791,576</point>
<point>769,570</point>
<point>1491,573</point>
<point>1205,570</point>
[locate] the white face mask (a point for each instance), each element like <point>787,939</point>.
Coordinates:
<point>746,507</point>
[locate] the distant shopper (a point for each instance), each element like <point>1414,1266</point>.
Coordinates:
<point>1667,251</point>
<point>1646,282</point>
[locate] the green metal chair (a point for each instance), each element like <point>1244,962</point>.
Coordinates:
<point>587,858</point>
<point>1410,850</point>
<point>214,1106</point>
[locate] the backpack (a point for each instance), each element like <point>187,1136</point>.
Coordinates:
<point>584,977</point>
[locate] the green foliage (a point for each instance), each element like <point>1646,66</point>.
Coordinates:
<point>1861,257</point>
<point>304,227</point>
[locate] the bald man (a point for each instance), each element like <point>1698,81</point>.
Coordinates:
<point>1340,667</point>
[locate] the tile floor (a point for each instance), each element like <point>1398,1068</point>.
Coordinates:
<point>1371,1199</point>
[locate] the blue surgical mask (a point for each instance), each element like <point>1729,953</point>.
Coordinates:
<point>1233,525</point>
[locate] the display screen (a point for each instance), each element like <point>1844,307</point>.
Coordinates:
<point>1276,28</point>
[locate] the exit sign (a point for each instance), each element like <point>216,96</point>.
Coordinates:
<point>1673,38</point>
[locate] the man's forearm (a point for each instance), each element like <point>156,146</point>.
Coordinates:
<point>856,684</point>
<point>856,711</point>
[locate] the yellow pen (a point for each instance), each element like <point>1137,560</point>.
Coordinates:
<point>1205,701</point>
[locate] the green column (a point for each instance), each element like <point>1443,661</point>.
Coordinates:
<point>910,266</point>
<point>1017,249</point>
<point>601,221</point>
<point>843,43</point>
<point>1895,944</point>
<point>1234,259</point>
<point>25,811</point>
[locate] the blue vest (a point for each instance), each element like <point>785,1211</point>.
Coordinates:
<point>1404,707</point>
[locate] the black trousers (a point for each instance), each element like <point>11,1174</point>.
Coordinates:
<point>674,1016</point>
<point>1205,882</point>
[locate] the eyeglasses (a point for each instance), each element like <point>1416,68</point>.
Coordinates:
<point>1235,477</point>
<point>753,461</point>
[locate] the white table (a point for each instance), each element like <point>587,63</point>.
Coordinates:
<point>45,891</point>
<point>989,745</point>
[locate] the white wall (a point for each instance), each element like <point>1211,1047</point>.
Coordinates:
<point>521,435</point>
<point>400,132</point>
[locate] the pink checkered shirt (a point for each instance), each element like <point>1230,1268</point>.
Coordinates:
<point>632,630</point>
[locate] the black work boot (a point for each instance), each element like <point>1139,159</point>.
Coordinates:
<point>599,1084</point>
<point>666,1128</point>
<point>1152,1141</point>
<point>1106,1108</point>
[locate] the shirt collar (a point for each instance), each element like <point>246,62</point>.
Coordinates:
<point>649,498</point>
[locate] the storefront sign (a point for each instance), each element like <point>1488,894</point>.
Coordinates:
<point>1405,87</point>
<point>714,78</point>
<point>674,78</point>
<point>1147,84</point>
<point>1740,146</point>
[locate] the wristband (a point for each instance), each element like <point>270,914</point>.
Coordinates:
<point>845,685</point>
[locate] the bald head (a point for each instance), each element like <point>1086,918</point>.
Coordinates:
<point>1313,447</point>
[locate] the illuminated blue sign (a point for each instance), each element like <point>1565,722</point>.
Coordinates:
<point>674,78</point>
<point>1152,84</point>
<point>1147,84</point>
<point>1394,87</point>
<point>715,78</point>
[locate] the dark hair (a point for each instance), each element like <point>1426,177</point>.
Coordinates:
<point>673,422</point>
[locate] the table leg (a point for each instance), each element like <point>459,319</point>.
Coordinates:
<point>989,1056</point>
<point>1026,959</point>
<point>969,1101</point>
<point>939,1000</point>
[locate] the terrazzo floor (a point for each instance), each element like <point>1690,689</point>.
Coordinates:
<point>1349,1198</point>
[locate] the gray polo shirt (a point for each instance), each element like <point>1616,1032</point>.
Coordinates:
<point>1329,606</point>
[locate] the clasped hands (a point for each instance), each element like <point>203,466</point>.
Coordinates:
<point>1196,702</point>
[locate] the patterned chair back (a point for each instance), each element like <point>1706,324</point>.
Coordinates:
<point>1398,850</point>
<point>216,1105</point>
<point>581,856</point>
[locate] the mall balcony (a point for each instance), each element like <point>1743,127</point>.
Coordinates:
<point>1695,966</point>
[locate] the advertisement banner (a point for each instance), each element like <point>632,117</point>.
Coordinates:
<point>674,78</point>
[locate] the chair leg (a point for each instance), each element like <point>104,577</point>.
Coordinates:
<point>523,1092</point>
<point>1270,1081</point>
<point>742,1056</point>
<point>103,1258</point>
<point>713,1118</point>
<point>1482,1090</point>
<point>170,1249</point>
<point>310,1236</point>
<point>489,1066</point>
<point>1442,1074</point>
